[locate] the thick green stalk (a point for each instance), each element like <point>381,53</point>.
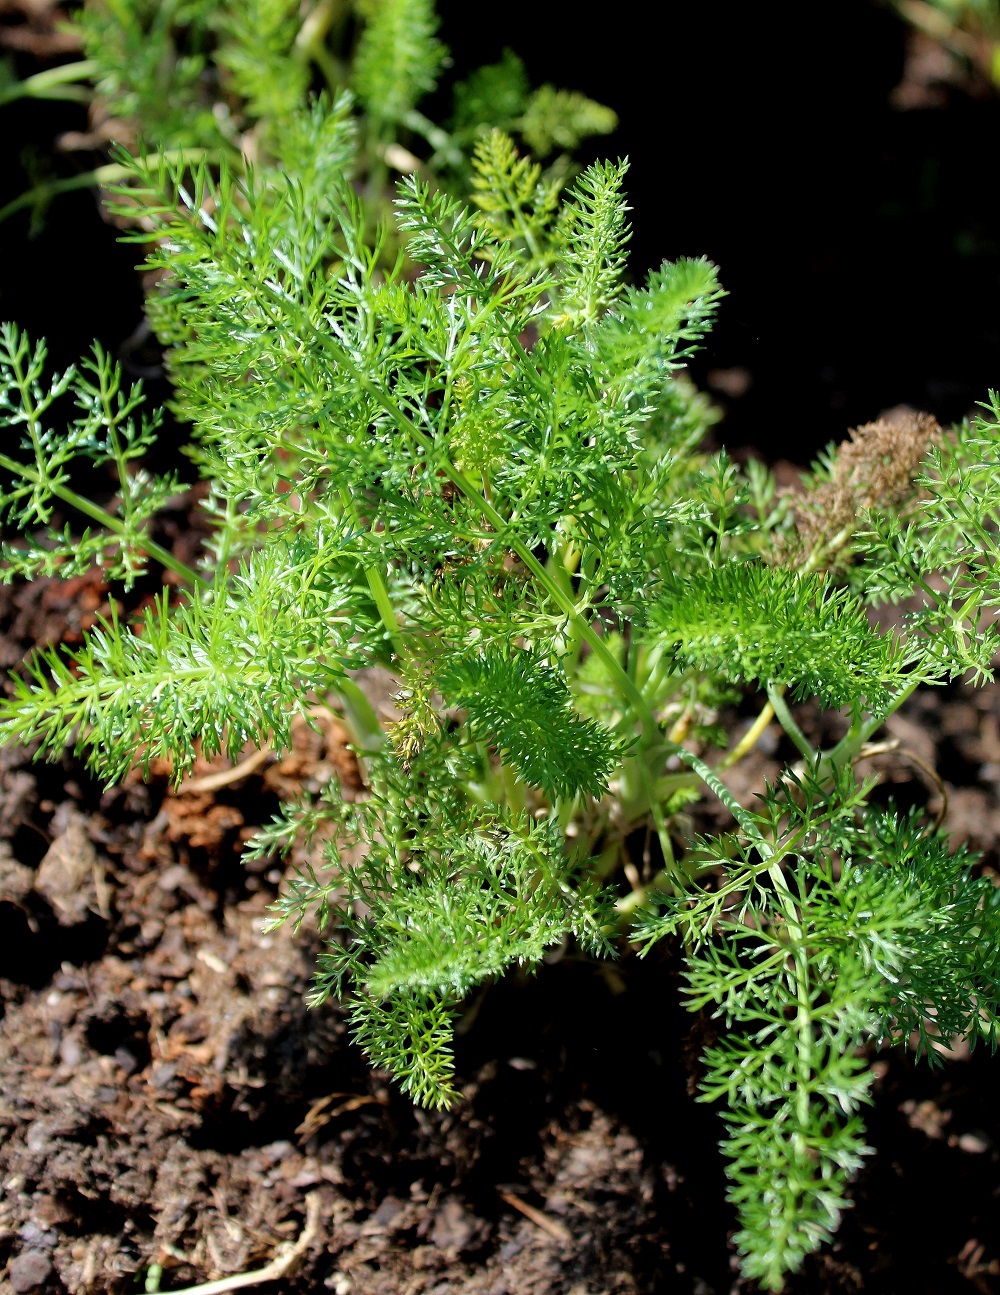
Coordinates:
<point>776,696</point>
<point>361,716</point>
<point>439,140</point>
<point>800,973</point>
<point>858,734</point>
<point>55,83</point>
<point>749,739</point>
<point>100,175</point>
<point>386,611</point>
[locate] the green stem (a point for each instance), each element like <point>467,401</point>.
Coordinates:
<point>54,83</point>
<point>715,783</point>
<point>800,973</point>
<point>100,175</point>
<point>107,520</point>
<point>360,714</point>
<point>666,880</point>
<point>737,882</point>
<point>315,26</point>
<point>776,696</point>
<point>749,739</point>
<point>659,821</point>
<point>438,139</point>
<point>852,742</point>
<point>310,43</point>
<point>513,789</point>
<point>385,609</point>
<point>523,228</point>
<point>377,585</point>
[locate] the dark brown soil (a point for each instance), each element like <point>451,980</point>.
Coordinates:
<point>168,1099</point>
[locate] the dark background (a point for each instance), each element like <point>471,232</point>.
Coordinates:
<point>860,244</point>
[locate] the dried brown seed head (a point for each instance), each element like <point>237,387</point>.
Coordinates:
<point>875,467</point>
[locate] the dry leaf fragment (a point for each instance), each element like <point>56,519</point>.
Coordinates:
<point>559,1231</point>
<point>875,467</point>
<point>16,879</point>
<point>66,876</point>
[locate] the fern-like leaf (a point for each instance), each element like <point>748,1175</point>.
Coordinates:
<point>521,705</point>
<point>398,57</point>
<point>747,621</point>
<point>222,671</point>
<point>593,234</point>
<point>562,119</point>
<point>258,51</point>
<point>410,1035</point>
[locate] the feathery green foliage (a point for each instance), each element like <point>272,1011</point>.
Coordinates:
<point>485,478</point>
<point>770,625</point>
<point>231,80</point>
<point>865,933</point>
<point>522,707</point>
<point>398,58</point>
<point>499,95</point>
<point>51,422</point>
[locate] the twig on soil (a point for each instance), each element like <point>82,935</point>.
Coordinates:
<point>213,781</point>
<point>880,748</point>
<point>320,1114</point>
<point>540,1219</point>
<point>286,1258</point>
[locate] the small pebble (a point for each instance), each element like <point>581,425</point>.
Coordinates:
<point>37,1137</point>
<point>127,1060</point>
<point>29,1270</point>
<point>275,1151</point>
<point>35,1234</point>
<point>174,877</point>
<point>162,1074</point>
<point>70,1051</point>
<point>386,1212</point>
